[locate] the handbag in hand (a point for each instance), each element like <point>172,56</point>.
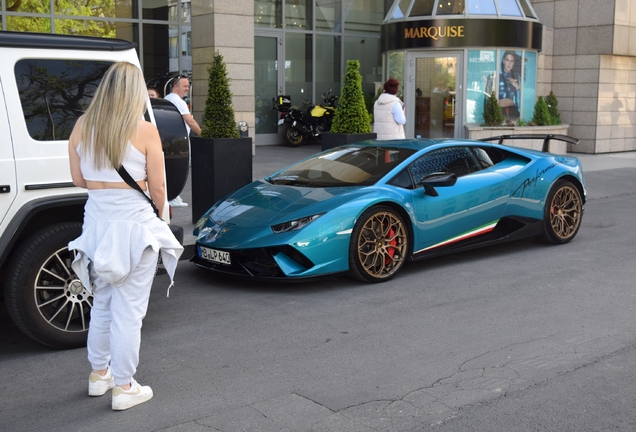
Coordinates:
<point>133,184</point>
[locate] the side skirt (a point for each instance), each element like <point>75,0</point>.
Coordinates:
<point>506,230</point>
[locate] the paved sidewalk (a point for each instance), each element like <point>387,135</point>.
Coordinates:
<point>269,159</point>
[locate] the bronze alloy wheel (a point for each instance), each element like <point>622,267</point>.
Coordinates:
<point>564,209</point>
<point>379,245</point>
<point>294,137</point>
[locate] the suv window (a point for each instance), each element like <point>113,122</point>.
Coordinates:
<point>54,93</point>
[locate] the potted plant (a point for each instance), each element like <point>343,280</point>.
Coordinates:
<point>553,108</point>
<point>351,123</point>
<point>221,159</point>
<point>492,112</point>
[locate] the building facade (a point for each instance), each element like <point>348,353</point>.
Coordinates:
<point>582,50</point>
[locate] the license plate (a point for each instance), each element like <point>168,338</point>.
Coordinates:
<point>215,256</point>
<point>281,121</point>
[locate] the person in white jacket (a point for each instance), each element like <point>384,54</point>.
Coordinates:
<point>388,113</point>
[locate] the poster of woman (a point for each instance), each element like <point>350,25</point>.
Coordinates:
<point>510,84</point>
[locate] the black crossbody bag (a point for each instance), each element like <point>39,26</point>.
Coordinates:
<point>133,184</point>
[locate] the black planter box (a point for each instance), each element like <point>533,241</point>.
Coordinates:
<point>220,166</point>
<point>330,139</point>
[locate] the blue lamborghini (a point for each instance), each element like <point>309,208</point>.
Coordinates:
<point>367,208</point>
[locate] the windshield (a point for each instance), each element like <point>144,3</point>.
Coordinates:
<point>343,166</point>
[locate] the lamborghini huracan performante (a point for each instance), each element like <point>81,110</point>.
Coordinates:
<point>367,208</point>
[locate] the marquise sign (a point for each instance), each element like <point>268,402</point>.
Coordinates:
<point>460,33</point>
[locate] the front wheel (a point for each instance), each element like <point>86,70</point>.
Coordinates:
<point>379,245</point>
<point>44,296</point>
<point>562,213</point>
<point>293,137</point>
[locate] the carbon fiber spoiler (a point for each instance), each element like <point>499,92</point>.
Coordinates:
<point>545,137</point>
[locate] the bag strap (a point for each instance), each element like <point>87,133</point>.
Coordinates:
<point>133,184</point>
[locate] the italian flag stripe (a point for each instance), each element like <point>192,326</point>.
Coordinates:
<point>481,230</point>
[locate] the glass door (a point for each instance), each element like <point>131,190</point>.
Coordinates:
<point>432,92</point>
<point>267,85</point>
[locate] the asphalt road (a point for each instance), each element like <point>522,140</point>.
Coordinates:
<point>517,337</point>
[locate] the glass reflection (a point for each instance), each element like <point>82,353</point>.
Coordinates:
<point>160,10</point>
<point>482,7</point>
<point>298,15</point>
<point>329,15</point>
<point>450,7</point>
<point>268,13</point>
<point>28,6</point>
<point>104,29</point>
<point>28,24</point>
<point>509,8</point>
<point>422,8</point>
<point>363,15</point>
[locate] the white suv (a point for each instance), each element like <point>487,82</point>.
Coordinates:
<point>46,81</point>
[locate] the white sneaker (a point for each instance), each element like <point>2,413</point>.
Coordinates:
<point>178,202</point>
<point>124,399</point>
<point>98,385</point>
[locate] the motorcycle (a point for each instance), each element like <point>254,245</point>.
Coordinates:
<point>303,126</point>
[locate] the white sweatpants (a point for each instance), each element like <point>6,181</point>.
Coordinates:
<point>114,333</point>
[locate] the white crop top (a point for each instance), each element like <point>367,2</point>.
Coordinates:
<point>134,161</point>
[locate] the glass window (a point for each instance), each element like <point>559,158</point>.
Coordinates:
<point>105,9</point>
<point>422,8</point>
<point>529,88</point>
<point>510,82</point>
<point>328,64</point>
<point>363,15</point>
<point>482,68</point>
<point>185,11</point>
<point>401,9</point>
<point>161,55</point>
<point>456,160</point>
<point>509,8</point>
<point>268,13</point>
<point>28,6</point>
<point>266,83</point>
<point>54,93</point>
<point>483,158</point>
<point>104,29</point>
<point>159,10</point>
<point>482,7</point>
<point>329,15</point>
<point>298,15</point>
<point>298,68</point>
<point>527,9</point>
<point>367,51</point>
<point>450,7</point>
<point>28,24</point>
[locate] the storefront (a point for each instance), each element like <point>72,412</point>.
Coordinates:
<point>450,58</point>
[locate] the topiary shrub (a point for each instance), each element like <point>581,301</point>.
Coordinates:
<point>492,112</point>
<point>351,116</point>
<point>218,115</point>
<point>541,113</point>
<point>553,108</point>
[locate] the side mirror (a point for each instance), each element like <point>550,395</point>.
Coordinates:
<point>439,179</point>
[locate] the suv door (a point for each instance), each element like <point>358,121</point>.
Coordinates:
<point>7,164</point>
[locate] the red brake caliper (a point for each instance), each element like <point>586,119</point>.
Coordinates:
<point>390,250</point>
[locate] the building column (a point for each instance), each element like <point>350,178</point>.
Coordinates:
<point>227,27</point>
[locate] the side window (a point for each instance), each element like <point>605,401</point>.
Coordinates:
<point>54,93</point>
<point>482,157</point>
<point>457,160</point>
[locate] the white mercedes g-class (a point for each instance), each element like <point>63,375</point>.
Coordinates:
<point>46,82</point>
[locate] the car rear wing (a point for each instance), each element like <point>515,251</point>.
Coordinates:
<point>546,139</point>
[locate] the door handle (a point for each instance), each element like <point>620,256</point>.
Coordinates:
<point>5,188</point>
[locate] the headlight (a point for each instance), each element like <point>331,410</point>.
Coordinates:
<point>294,224</point>
<point>200,223</point>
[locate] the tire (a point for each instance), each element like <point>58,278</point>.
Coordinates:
<point>293,137</point>
<point>43,294</point>
<point>562,213</point>
<point>379,245</point>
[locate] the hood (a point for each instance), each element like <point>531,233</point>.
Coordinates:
<point>387,98</point>
<point>262,204</point>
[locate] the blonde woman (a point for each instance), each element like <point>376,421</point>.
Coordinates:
<point>116,255</point>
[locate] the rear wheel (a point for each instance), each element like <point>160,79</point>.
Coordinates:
<point>293,137</point>
<point>44,296</point>
<point>379,244</point>
<point>562,214</point>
